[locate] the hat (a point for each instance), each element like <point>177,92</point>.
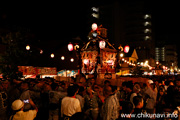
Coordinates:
<point>150,81</point>
<point>17,104</point>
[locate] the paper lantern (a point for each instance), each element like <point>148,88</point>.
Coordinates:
<point>52,55</point>
<point>27,47</point>
<point>126,49</point>
<point>94,26</point>
<point>102,44</point>
<point>70,47</point>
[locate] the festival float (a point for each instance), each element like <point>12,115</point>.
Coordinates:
<point>98,56</point>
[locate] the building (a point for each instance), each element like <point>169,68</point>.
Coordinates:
<point>167,55</point>
<point>128,62</point>
<point>130,23</point>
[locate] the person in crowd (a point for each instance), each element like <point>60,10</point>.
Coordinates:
<point>127,108</point>
<point>151,92</point>
<point>136,91</point>
<point>160,102</point>
<point>19,113</point>
<point>110,108</point>
<point>80,96</point>
<point>3,103</point>
<point>129,90</point>
<point>138,103</point>
<point>70,104</point>
<point>43,113</point>
<point>13,93</point>
<point>106,83</point>
<point>123,94</point>
<point>54,97</point>
<point>92,103</point>
<point>25,95</point>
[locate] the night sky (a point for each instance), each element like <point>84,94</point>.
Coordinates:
<point>61,20</point>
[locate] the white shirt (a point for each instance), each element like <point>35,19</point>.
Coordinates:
<point>70,106</point>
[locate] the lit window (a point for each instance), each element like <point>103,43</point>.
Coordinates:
<point>147,16</point>
<point>147,38</point>
<point>95,9</point>
<point>147,31</point>
<point>95,15</point>
<point>147,23</point>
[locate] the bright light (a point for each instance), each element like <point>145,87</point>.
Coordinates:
<point>27,47</point>
<point>70,47</point>
<point>102,44</point>
<point>95,15</point>
<point>72,59</point>
<point>95,9</point>
<point>62,57</point>
<point>121,55</point>
<point>157,62</point>
<point>147,37</point>
<point>147,30</point>
<point>126,49</point>
<point>94,26</point>
<point>41,51</point>
<point>147,16</point>
<point>147,23</point>
<point>86,61</point>
<point>110,62</point>
<point>52,55</point>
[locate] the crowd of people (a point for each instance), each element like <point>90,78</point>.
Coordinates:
<point>50,99</point>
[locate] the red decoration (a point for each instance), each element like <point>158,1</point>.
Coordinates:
<point>126,49</point>
<point>70,47</point>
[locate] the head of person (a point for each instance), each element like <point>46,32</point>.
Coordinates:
<point>72,90</point>
<point>129,86</point>
<point>161,91</point>
<point>177,82</point>
<point>151,83</point>
<point>107,83</point>
<point>107,91</point>
<point>17,105</point>
<point>136,88</point>
<point>138,101</point>
<point>124,85</point>
<point>24,85</point>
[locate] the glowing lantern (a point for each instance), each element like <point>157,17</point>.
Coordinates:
<point>72,59</point>
<point>62,57</point>
<point>102,44</point>
<point>52,55</point>
<point>70,47</point>
<point>126,49</point>
<point>27,47</point>
<point>94,26</point>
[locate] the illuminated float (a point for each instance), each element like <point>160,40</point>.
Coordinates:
<point>98,55</point>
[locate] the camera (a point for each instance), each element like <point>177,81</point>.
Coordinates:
<point>26,101</point>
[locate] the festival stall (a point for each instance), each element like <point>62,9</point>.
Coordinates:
<point>32,72</point>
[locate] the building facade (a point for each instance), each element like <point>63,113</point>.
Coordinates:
<point>130,23</point>
<point>167,55</point>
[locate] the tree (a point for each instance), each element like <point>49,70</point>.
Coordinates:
<point>15,54</point>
